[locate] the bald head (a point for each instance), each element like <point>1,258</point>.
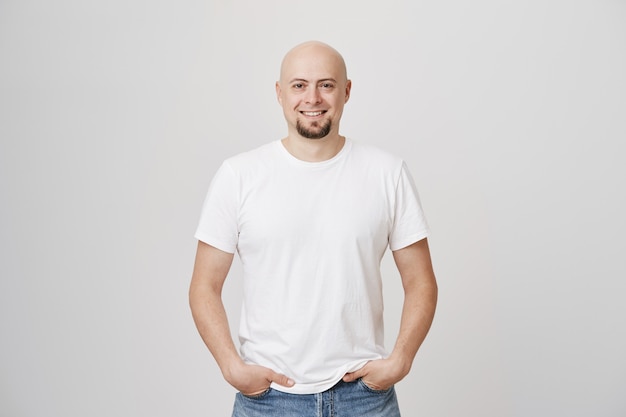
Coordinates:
<point>311,54</point>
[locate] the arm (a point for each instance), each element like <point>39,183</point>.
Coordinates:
<point>205,299</point>
<point>420,299</point>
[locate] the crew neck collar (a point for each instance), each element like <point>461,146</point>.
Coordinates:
<point>344,150</point>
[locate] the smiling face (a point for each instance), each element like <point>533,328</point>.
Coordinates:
<point>312,90</point>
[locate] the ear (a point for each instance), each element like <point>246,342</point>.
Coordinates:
<point>348,88</point>
<point>278,93</point>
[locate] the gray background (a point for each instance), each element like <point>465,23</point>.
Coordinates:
<point>114,116</point>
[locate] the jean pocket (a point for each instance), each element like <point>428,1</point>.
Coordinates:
<point>256,396</point>
<point>374,390</point>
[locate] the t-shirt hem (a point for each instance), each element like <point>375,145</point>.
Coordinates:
<point>314,388</point>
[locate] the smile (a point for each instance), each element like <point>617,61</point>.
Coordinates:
<point>313,113</point>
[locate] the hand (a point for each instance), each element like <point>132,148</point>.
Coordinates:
<point>253,380</point>
<point>379,374</point>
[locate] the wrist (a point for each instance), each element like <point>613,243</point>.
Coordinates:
<point>401,364</point>
<point>232,368</point>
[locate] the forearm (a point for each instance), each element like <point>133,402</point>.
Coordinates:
<point>212,323</point>
<point>205,299</point>
<point>420,299</point>
<point>418,312</point>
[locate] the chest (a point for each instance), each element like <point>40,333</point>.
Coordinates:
<point>331,208</point>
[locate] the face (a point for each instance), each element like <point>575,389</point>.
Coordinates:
<point>312,90</point>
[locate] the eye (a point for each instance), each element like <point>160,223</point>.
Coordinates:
<point>298,86</point>
<point>327,85</point>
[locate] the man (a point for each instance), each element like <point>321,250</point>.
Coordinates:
<point>311,216</point>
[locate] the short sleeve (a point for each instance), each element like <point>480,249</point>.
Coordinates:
<point>409,223</point>
<point>218,224</point>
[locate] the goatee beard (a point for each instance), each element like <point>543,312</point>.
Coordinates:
<point>305,132</point>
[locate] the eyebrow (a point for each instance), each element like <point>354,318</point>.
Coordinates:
<point>307,81</point>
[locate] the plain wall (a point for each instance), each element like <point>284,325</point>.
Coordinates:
<point>115,115</point>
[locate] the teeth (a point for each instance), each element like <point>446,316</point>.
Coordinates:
<point>312,113</point>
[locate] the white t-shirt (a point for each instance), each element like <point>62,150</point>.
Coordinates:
<point>311,236</point>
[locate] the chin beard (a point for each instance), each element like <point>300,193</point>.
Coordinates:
<point>315,132</point>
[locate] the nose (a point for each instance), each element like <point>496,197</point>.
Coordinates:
<point>313,96</point>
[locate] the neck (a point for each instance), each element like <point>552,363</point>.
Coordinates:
<point>314,150</point>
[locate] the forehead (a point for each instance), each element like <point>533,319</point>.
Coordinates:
<point>313,63</point>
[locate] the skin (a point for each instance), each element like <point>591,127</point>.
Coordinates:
<point>313,79</point>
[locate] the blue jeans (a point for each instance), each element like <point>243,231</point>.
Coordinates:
<point>346,399</point>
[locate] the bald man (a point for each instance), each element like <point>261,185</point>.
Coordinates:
<point>311,216</point>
